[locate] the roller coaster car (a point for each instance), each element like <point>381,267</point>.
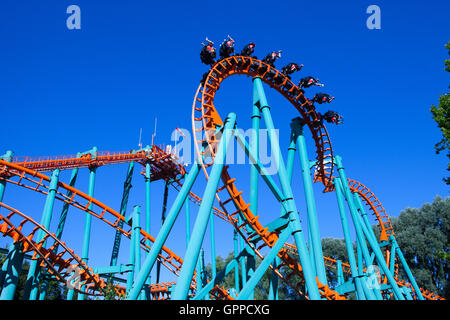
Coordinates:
<point>291,68</point>
<point>248,50</point>
<point>272,57</point>
<point>309,81</point>
<point>332,117</point>
<point>322,98</point>
<point>208,53</point>
<point>226,48</point>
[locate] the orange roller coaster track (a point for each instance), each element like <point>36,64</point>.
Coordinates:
<point>55,257</point>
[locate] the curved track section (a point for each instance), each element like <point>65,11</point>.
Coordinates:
<point>205,113</point>
<point>53,254</point>
<point>37,182</point>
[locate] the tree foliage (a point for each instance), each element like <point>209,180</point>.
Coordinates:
<point>423,237</point>
<point>441,114</point>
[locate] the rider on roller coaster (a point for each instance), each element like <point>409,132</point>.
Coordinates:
<point>290,69</point>
<point>248,50</point>
<point>271,57</point>
<point>322,98</point>
<point>309,81</point>
<point>331,117</point>
<point>208,53</point>
<point>226,48</point>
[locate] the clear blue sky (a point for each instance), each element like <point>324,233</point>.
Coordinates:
<point>63,91</point>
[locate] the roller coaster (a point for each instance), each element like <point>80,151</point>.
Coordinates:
<point>376,271</point>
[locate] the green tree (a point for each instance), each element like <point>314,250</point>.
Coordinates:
<point>423,237</point>
<point>261,289</point>
<point>441,114</point>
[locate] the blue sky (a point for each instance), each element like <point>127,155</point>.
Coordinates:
<point>63,91</point>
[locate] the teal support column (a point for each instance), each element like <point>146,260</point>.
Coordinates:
<point>244,274</point>
<point>88,220</point>
<point>348,242</point>
<point>273,285</point>
<point>188,220</point>
<point>123,209</point>
<point>361,231</point>
<point>132,260</point>
<point>254,176</point>
<point>310,203</point>
<point>198,233</point>
<point>14,267</point>
<point>6,157</point>
<point>31,285</point>
<point>262,268</point>
<point>201,269</point>
<point>163,218</point>
<point>297,231</point>
<point>164,232</point>
<point>411,278</point>
<point>392,258</point>
<point>340,273</point>
<point>213,245</point>
<point>363,214</point>
<point>136,226</point>
<point>147,179</point>
<point>65,209</point>
<point>236,267</point>
<point>60,228</point>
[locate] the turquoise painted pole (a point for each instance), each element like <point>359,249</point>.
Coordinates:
<point>273,285</point>
<point>6,157</point>
<point>348,242</point>
<point>88,220</point>
<point>188,221</point>
<point>147,179</point>
<point>31,285</point>
<point>361,231</point>
<point>236,267</point>
<point>310,203</point>
<point>123,209</point>
<point>297,231</point>
<point>202,271</point>
<point>213,245</point>
<point>12,272</point>
<point>340,273</point>
<point>411,278</point>
<point>254,176</point>
<point>199,271</point>
<point>65,209</point>
<point>6,263</point>
<point>363,213</point>
<point>244,274</point>
<point>136,225</point>
<point>164,232</point>
<point>60,228</point>
<point>392,258</point>
<point>262,268</point>
<point>163,218</point>
<point>193,249</point>
<point>132,260</point>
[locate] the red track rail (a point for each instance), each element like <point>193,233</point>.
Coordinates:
<point>163,164</point>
